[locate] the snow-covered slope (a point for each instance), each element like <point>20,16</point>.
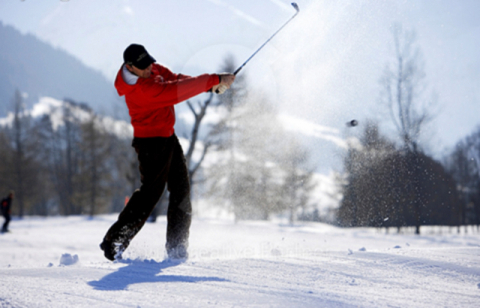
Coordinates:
<point>55,109</point>
<point>249,264</point>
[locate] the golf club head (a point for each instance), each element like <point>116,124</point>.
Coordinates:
<point>295,6</point>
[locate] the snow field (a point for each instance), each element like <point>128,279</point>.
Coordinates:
<point>56,262</point>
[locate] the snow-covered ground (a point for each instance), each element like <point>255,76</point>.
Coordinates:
<point>56,262</point>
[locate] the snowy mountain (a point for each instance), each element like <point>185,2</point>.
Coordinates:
<point>47,106</point>
<point>37,70</point>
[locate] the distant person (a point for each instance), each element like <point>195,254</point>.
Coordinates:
<point>151,91</point>
<point>6,204</point>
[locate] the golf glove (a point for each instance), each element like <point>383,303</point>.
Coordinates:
<point>221,89</point>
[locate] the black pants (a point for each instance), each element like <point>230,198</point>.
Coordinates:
<point>7,221</point>
<point>162,162</point>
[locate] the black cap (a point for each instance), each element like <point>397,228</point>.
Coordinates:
<point>137,56</point>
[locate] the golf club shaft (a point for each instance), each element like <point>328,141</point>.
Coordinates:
<point>295,6</point>
<point>244,63</point>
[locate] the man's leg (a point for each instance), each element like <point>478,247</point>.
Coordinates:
<point>179,215</point>
<point>8,218</point>
<point>154,156</point>
<point>5,224</point>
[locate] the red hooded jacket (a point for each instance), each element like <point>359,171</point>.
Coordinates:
<point>150,101</point>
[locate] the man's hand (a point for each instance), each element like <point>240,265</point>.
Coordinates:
<point>220,88</point>
<point>226,80</point>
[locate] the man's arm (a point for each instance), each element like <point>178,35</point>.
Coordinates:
<point>167,93</point>
<point>225,79</point>
<point>168,75</point>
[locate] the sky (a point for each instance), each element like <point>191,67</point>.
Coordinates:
<point>323,67</point>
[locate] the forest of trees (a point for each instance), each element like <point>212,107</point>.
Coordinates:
<point>463,164</point>
<point>76,167</point>
<point>391,187</point>
<point>387,186</point>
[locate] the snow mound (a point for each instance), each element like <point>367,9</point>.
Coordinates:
<point>67,259</point>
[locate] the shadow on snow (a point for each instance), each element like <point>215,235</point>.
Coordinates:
<point>144,272</point>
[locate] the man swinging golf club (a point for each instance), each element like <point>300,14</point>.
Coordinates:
<point>151,91</point>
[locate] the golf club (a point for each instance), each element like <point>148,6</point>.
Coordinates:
<point>297,9</point>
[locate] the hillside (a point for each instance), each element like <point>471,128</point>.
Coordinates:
<point>38,69</point>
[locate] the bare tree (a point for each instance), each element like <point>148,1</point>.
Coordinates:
<point>298,182</point>
<point>50,155</point>
<point>222,137</point>
<point>198,113</point>
<point>94,172</point>
<point>403,88</point>
<point>208,135</point>
<point>71,138</point>
<point>25,165</point>
<point>19,135</point>
<point>403,92</point>
<point>5,158</point>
